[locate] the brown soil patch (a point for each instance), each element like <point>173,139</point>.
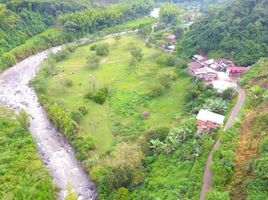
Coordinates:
<point>246,151</point>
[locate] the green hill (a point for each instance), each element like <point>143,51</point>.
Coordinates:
<point>238,31</point>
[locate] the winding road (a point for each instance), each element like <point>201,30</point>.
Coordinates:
<point>54,150</point>
<point>207,177</point>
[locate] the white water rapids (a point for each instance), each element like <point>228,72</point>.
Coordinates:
<point>55,151</point>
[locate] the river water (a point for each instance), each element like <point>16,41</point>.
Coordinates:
<point>55,151</point>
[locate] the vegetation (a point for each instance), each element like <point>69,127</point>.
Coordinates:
<point>20,165</point>
<point>239,166</point>
<point>55,36</point>
<point>119,108</point>
<point>238,31</point>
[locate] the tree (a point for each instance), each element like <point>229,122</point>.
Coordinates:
<point>93,61</point>
<point>228,94</point>
<point>145,31</point>
<point>136,53</point>
<point>102,49</point>
<point>117,37</point>
<point>216,105</point>
<point>179,32</point>
<point>169,13</point>
<point>70,26</point>
<point>165,79</point>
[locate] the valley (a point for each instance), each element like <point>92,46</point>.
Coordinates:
<point>133,100</point>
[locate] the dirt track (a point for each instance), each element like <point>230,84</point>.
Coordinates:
<point>207,177</point>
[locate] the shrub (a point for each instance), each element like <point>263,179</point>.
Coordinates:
<point>83,110</point>
<point>99,97</point>
<point>93,61</point>
<point>159,133</point>
<point>23,119</point>
<point>76,115</point>
<point>217,195</point>
<point>228,94</point>
<point>165,79</point>
<point>68,83</point>
<point>136,53</point>
<point>157,90</point>
<point>263,148</point>
<point>102,49</point>
<point>93,47</point>
<point>121,194</point>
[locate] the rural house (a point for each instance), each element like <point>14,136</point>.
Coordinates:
<point>207,121</point>
<point>206,74</point>
<point>235,71</point>
<point>223,63</point>
<point>171,37</point>
<point>199,59</point>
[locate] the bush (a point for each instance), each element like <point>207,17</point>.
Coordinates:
<point>76,115</point>
<point>99,97</point>
<point>93,47</point>
<point>83,110</point>
<point>102,49</point>
<point>165,79</point>
<point>157,90</point>
<point>228,94</point>
<point>121,194</point>
<point>159,133</point>
<point>217,195</point>
<point>68,83</point>
<point>23,119</point>
<point>93,61</point>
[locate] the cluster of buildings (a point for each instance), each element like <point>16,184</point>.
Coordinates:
<point>208,69</point>
<point>220,73</point>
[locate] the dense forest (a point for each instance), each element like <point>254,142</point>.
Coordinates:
<point>238,31</point>
<point>67,26</point>
<point>21,20</point>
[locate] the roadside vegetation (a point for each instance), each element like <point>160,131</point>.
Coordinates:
<point>22,173</point>
<point>240,165</point>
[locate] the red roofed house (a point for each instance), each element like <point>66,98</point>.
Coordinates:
<point>171,37</point>
<point>235,71</point>
<point>208,121</point>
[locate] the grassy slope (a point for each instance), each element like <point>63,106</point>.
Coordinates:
<point>124,85</point>
<point>22,173</point>
<point>253,131</point>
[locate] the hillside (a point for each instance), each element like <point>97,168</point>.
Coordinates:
<point>240,165</point>
<point>238,31</point>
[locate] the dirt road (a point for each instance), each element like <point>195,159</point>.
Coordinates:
<point>207,177</point>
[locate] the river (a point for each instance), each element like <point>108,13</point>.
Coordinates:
<point>54,150</point>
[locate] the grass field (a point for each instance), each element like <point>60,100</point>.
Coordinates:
<point>120,115</point>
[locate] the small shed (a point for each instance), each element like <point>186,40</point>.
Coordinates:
<point>208,121</point>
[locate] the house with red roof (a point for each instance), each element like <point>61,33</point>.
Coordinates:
<point>235,70</point>
<point>171,37</point>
